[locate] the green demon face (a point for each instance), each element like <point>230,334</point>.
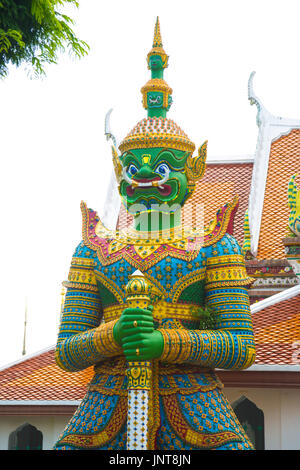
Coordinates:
<point>152,177</point>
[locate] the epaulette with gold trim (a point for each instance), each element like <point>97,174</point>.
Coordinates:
<point>143,252</point>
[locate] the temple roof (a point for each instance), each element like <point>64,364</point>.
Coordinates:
<point>276,160</point>
<point>276,324</point>
<point>284,161</point>
<point>37,377</point>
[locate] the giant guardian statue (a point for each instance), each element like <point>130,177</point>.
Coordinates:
<point>156,306</point>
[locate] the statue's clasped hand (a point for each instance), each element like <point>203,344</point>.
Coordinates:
<point>135,332</point>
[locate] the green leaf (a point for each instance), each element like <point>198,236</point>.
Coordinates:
<point>34,32</point>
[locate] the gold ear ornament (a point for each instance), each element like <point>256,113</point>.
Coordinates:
<point>195,166</point>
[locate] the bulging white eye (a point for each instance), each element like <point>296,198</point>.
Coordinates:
<point>162,169</point>
<point>132,170</point>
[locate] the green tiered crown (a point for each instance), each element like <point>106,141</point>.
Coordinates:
<point>157,93</point>
<point>157,130</point>
<point>157,144</point>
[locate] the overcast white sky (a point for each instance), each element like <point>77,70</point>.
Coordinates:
<point>53,150</point>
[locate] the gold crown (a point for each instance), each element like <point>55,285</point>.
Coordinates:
<point>157,132</point>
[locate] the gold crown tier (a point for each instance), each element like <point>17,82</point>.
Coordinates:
<point>157,84</point>
<point>157,132</point>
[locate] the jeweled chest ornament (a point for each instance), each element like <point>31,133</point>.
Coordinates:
<point>143,250</point>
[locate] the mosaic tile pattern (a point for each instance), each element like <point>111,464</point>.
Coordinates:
<point>137,424</point>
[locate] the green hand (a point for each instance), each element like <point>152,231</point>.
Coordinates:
<point>135,331</point>
<point>125,325</point>
<point>149,345</point>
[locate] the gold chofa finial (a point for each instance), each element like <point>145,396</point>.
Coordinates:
<point>157,42</point>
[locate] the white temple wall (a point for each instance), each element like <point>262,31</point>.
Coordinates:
<point>281,408</point>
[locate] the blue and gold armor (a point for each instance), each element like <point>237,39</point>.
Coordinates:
<point>191,271</point>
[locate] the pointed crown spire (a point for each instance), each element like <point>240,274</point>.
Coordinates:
<point>157,47</point>
<point>157,42</point>
<point>156,93</point>
<point>157,130</point>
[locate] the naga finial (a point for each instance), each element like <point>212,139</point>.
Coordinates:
<point>251,95</point>
<point>262,112</point>
<point>253,98</point>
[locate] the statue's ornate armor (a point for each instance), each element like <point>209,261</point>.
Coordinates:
<point>190,269</point>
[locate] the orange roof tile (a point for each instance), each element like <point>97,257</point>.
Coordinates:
<point>220,183</point>
<point>283,163</point>
<point>39,378</point>
<point>277,333</point>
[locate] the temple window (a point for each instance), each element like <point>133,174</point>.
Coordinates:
<point>25,437</point>
<point>252,420</point>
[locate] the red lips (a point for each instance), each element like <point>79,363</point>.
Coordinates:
<point>164,190</point>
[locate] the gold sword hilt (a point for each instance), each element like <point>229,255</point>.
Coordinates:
<point>140,293</point>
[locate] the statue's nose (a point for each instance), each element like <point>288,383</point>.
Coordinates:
<point>145,172</point>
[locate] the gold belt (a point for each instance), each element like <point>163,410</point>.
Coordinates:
<point>161,309</point>
<point>117,366</point>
